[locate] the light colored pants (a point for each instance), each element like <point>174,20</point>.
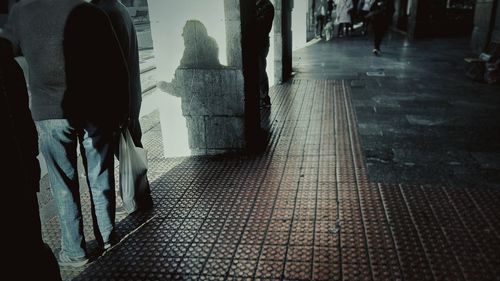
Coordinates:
<point>58,143</point>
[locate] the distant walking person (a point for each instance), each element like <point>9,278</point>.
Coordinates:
<point>381,16</point>
<point>364,7</point>
<point>78,97</point>
<point>127,37</point>
<point>22,232</point>
<point>265,17</point>
<point>320,19</point>
<point>329,9</point>
<point>344,8</point>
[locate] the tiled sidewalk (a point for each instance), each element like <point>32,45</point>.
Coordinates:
<point>304,210</point>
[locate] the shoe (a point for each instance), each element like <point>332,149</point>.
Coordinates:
<point>376,52</point>
<point>113,240</point>
<point>120,210</point>
<point>146,204</point>
<point>265,102</point>
<point>64,260</point>
<point>106,246</point>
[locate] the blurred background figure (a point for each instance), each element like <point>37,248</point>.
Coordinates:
<point>320,19</point>
<point>364,7</point>
<point>344,20</point>
<point>381,16</point>
<point>329,27</point>
<point>265,17</point>
<point>329,9</point>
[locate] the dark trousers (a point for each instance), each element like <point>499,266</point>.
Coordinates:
<point>26,253</point>
<point>320,23</point>
<point>366,22</point>
<point>263,79</point>
<point>343,29</point>
<point>380,27</point>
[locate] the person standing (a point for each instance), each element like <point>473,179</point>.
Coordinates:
<point>22,175</point>
<point>320,19</point>
<point>265,17</point>
<point>344,20</point>
<point>329,10</point>
<point>364,7</point>
<point>78,98</point>
<point>127,37</point>
<point>380,14</point>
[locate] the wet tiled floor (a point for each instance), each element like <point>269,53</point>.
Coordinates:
<point>303,210</point>
<point>421,120</point>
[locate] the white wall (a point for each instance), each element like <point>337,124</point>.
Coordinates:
<point>299,24</point>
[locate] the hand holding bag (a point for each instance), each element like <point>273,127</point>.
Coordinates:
<point>134,183</point>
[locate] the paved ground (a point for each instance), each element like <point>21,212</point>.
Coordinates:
<point>309,207</point>
<point>423,121</point>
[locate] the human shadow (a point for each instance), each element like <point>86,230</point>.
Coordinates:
<point>200,52</point>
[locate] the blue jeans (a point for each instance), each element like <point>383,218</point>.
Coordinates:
<point>58,143</point>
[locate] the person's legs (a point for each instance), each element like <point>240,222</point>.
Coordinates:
<point>378,34</point>
<point>97,153</point>
<point>365,21</point>
<point>322,25</point>
<point>318,24</point>
<point>58,144</point>
<point>263,78</point>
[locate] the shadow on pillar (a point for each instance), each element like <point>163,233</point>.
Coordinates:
<point>211,103</point>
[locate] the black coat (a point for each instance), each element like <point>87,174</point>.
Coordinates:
<point>19,142</point>
<point>265,17</point>
<point>382,10</point>
<point>96,72</point>
<point>127,37</point>
<point>20,176</point>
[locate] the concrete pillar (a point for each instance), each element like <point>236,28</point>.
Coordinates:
<point>199,61</point>
<point>283,40</point>
<point>486,24</point>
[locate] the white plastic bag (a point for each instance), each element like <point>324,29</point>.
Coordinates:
<point>133,172</point>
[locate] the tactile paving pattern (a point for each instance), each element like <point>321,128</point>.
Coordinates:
<point>303,210</point>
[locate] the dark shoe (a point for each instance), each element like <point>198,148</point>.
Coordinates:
<point>146,204</point>
<point>64,260</point>
<point>113,240</point>
<point>265,102</point>
<point>376,52</point>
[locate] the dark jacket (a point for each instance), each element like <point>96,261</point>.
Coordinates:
<point>127,37</point>
<point>36,29</point>
<point>20,178</point>
<point>265,17</point>
<point>382,10</point>
<point>96,73</point>
<point>20,139</point>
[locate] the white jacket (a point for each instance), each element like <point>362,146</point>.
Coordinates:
<point>343,6</point>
